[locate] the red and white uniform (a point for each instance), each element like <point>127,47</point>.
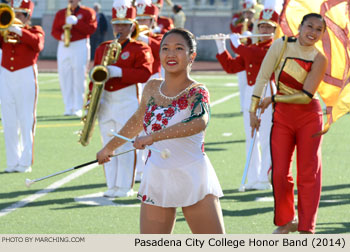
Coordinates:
<point>154,43</point>
<point>72,60</point>
<point>236,26</point>
<point>19,93</point>
<point>250,58</point>
<point>165,24</point>
<point>119,101</point>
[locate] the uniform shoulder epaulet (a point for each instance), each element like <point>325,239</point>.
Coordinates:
<point>290,39</point>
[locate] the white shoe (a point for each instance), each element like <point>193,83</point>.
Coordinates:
<point>10,169</point>
<point>23,169</point>
<point>262,186</point>
<point>124,192</point>
<point>138,177</point>
<point>110,192</point>
<point>249,186</point>
<point>78,113</point>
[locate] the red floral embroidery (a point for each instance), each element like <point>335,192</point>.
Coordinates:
<point>148,116</point>
<point>159,117</point>
<point>183,103</point>
<point>165,121</point>
<point>156,127</point>
<point>153,108</point>
<point>169,112</point>
<point>173,103</point>
<point>144,197</point>
<point>192,92</point>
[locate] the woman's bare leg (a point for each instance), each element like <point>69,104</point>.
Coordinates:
<point>205,217</point>
<point>156,220</point>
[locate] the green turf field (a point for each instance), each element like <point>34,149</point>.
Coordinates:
<point>67,204</point>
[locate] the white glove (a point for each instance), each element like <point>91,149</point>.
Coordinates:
<point>221,45</point>
<point>72,20</point>
<point>143,38</point>
<point>16,29</point>
<point>235,39</point>
<point>157,29</point>
<point>114,71</point>
<point>247,33</point>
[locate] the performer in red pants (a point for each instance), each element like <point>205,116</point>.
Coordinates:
<point>297,117</point>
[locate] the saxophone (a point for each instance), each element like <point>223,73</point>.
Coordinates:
<point>99,75</point>
<point>67,27</point>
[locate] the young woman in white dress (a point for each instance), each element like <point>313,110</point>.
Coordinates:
<point>174,113</point>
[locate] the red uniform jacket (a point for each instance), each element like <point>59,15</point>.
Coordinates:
<point>24,53</point>
<point>236,19</point>
<point>249,59</point>
<point>154,43</point>
<point>165,24</point>
<point>86,25</point>
<point>135,60</point>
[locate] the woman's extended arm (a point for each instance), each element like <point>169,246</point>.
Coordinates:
<point>131,129</point>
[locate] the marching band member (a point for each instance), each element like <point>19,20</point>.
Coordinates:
<point>297,117</point>
<point>146,15</point>
<point>250,58</point>
<point>243,24</point>
<point>120,97</point>
<point>164,24</point>
<point>73,53</point>
<point>19,87</point>
<point>174,113</point>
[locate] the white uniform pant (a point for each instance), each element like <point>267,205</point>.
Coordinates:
<point>72,65</point>
<point>242,83</point>
<point>19,93</point>
<point>115,110</point>
<point>260,160</point>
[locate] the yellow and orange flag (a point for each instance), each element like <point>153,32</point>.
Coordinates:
<point>335,44</point>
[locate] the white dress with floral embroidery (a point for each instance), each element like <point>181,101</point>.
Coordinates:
<point>187,176</point>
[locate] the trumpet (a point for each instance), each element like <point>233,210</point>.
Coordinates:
<point>7,19</point>
<point>227,36</point>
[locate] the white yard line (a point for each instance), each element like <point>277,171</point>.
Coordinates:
<point>226,98</point>
<point>43,82</point>
<point>45,191</point>
<point>74,175</point>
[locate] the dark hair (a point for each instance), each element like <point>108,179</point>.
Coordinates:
<point>315,15</point>
<point>186,34</point>
<point>177,8</point>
